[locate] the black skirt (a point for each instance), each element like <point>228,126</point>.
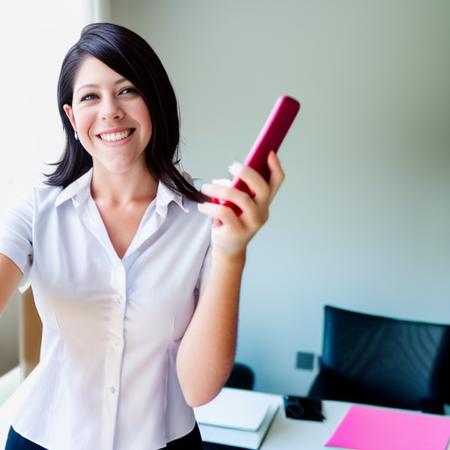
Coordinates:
<point>191,441</point>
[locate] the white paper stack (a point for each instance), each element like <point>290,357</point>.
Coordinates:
<point>237,417</point>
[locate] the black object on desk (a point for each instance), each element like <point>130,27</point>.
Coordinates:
<point>303,408</point>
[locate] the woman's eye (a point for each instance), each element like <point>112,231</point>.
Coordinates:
<point>86,97</point>
<point>130,89</point>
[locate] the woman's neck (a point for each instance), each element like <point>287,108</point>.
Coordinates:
<point>119,189</point>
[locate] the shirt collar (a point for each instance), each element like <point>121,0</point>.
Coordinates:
<point>80,189</point>
<point>165,195</point>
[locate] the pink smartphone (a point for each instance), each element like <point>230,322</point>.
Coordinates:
<point>270,138</point>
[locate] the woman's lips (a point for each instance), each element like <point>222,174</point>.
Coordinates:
<point>116,143</point>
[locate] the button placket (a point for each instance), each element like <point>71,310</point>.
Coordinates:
<point>114,353</point>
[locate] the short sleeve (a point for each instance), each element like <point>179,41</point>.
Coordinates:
<point>203,276</point>
<point>16,230</point>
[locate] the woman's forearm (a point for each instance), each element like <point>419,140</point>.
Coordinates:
<point>206,354</point>
<point>207,350</point>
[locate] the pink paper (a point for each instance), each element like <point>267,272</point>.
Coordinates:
<point>370,428</point>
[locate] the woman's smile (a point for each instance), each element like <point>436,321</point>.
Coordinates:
<point>116,138</point>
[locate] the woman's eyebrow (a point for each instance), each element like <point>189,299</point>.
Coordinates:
<point>120,80</point>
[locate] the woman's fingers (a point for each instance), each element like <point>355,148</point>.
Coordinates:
<point>255,209</point>
<point>221,215</point>
<point>253,214</point>
<point>232,232</point>
<point>239,198</point>
<point>256,183</point>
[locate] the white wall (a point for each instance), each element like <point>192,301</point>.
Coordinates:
<point>363,219</point>
<point>34,37</point>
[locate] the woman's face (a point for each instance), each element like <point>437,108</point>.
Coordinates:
<point>110,116</point>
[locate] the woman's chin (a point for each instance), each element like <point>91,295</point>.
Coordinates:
<point>117,168</point>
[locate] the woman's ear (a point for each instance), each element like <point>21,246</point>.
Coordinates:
<point>69,114</point>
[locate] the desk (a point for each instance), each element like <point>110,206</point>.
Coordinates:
<point>291,434</point>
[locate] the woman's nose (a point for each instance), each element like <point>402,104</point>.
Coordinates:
<point>111,109</point>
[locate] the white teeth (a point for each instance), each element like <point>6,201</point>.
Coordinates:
<point>111,137</point>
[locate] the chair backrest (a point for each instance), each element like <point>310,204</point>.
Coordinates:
<point>241,377</point>
<point>398,362</point>
<point>30,333</point>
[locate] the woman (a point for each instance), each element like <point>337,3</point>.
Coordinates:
<point>135,273</point>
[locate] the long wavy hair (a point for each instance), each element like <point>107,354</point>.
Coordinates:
<point>131,56</point>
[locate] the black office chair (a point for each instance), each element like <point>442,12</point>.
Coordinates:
<point>241,377</point>
<point>384,361</point>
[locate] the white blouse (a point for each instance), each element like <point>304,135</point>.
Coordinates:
<point>111,327</point>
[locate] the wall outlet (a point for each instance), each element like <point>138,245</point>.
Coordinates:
<point>305,361</point>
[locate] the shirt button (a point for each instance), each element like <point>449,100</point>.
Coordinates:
<point>119,299</point>
<point>117,344</point>
<point>113,390</point>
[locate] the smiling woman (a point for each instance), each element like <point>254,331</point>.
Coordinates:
<point>109,113</point>
<point>104,74</point>
<point>137,292</point>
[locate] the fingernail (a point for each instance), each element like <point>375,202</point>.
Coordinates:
<point>222,182</point>
<point>233,168</point>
